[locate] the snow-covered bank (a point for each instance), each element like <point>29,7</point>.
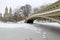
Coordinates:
<point>50,24</point>
<point>10,24</point>
<point>22,24</point>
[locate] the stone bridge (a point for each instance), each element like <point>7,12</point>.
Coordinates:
<point>51,12</point>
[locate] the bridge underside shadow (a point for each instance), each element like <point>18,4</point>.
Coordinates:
<point>30,21</point>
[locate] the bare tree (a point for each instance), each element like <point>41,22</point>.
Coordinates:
<point>22,12</point>
<point>26,9</point>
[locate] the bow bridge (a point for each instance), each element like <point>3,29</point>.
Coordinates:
<point>51,12</point>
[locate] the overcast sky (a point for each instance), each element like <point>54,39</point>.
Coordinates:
<point>15,3</point>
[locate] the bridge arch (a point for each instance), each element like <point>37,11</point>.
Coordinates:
<point>31,19</point>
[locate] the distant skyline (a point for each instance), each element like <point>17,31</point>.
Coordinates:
<point>16,3</point>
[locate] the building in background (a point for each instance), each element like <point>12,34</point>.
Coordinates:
<point>8,14</point>
<point>0,16</point>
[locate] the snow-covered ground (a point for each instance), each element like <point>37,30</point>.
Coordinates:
<point>24,31</point>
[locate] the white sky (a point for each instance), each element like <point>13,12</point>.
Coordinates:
<point>15,3</point>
